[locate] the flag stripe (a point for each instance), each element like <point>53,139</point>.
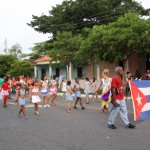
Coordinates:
<point>146,107</point>
<point>148,98</point>
<point>142,83</point>
<point>144,115</point>
<point>145,91</point>
<point>140,93</point>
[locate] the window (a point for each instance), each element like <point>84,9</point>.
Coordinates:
<point>43,72</point>
<point>121,64</point>
<point>79,72</point>
<point>57,72</point>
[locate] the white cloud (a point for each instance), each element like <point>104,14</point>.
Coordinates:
<point>14,14</point>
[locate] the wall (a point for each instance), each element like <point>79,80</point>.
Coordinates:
<point>137,62</point>
<point>108,65</point>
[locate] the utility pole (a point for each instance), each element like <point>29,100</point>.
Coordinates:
<point>5,45</point>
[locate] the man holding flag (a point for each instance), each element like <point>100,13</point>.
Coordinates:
<point>118,101</point>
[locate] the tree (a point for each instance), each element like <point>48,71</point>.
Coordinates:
<point>65,48</point>
<point>16,51</point>
<point>75,15</point>
<point>5,63</point>
<point>40,49</point>
<point>118,40</point>
<point>21,68</point>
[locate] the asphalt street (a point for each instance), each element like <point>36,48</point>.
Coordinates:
<point>55,129</point>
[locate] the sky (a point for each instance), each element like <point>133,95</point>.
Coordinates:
<point>14,16</point>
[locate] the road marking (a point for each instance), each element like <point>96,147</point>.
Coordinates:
<point>65,104</point>
<point>28,105</point>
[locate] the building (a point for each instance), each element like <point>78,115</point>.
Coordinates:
<point>44,66</point>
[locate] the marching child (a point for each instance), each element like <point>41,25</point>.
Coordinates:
<point>5,92</point>
<point>35,97</point>
<point>77,88</point>
<point>69,97</point>
<point>21,97</point>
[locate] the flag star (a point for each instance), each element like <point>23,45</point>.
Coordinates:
<point>139,100</point>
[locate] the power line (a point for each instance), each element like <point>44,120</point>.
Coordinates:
<point>91,22</point>
<point>95,15</point>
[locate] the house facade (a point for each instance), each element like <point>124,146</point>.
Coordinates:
<point>43,66</point>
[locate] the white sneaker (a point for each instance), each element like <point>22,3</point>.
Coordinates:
<point>37,113</point>
<point>48,105</point>
<point>45,106</point>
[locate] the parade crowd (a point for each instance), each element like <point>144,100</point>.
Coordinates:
<point>45,90</point>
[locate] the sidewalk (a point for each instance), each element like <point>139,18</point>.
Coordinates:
<point>82,95</point>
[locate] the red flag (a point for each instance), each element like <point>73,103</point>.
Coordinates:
<point>139,100</point>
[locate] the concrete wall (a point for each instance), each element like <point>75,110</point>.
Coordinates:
<point>134,62</point>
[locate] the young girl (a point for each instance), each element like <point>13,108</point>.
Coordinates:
<point>64,87</point>
<point>93,90</point>
<point>21,97</point>
<point>87,90</point>
<point>69,97</point>
<point>5,92</point>
<point>53,90</point>
<point>35,97</point>
<point>44,91</point>
<point>29,86</point>
<point>17,88</point>
<point>77,88</point>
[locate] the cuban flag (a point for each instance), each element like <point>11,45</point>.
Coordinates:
<point>140,92</point>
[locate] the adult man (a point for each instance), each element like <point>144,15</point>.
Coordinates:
<point>118,100</point>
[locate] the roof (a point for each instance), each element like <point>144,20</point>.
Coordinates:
<point>43,59</point>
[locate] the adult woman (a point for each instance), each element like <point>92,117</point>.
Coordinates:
<point>106,94</point>
<point>87,89</point>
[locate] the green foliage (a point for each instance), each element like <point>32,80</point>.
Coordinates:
<point>75,15</point>
<point>16,51</point>
<point>21,68</point>
<point>85,31</point>
<point>118,40</point>
<point>65,48</point>
<point>5,63</point>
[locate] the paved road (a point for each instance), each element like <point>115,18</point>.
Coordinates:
<point>55,129</point>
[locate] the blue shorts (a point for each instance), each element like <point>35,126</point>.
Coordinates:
<point>21,101</point>
<point>69,97</point>
<point>87,91</point>
<point>44,93</point>
<point>93,90</point>
<point>78,94</point>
